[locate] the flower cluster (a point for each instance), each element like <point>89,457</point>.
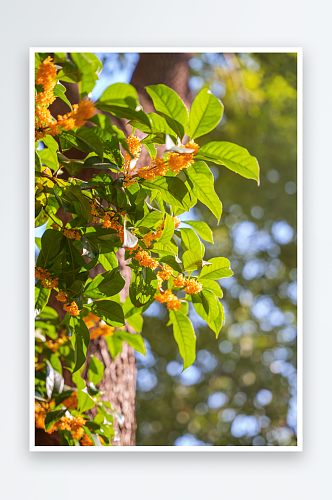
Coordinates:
<point>86,441</point>
<point>71,402</point>
<point>72,234</point>
<point>102,331</point>
<point>169,299</point>
<point>94,211</point>
<point>62,296</point>
<point>76,118</point>
<point>72,309</point>
<point>176,222</point>
<point>179,281</point>
<point>69,423</point>
<point>158,167</point>
<point>110,222</point>
<point>90,320</point>
<point>46,77</point>
<point>54,346</point>
<point>45,123</point>
<point>147,238</point>
<point>145,260</point>
<point>41,410</point>
<point>134,146</point>
<point>45,278</point>
<point>164,275</point>
<point>178,162</point>
<point>98,329</point>
<point>193,286</point>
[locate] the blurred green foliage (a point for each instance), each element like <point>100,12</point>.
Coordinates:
<point>242,388</point>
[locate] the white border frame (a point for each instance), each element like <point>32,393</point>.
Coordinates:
<point>117,449</point>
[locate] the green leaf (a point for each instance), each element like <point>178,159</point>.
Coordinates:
<point>170,105</point>
<point>49,159</point>
<point>120,99</point>
<point>210,302</point>
<point>73,167</point>
<point>168,230</point>
<point>105,285</point>
<point>51,143</point>
<point>184,335</point>
<point>205,113</point>
<point>95,162</point>
<point>202,179</point>
<point>125,112</point>
<point>159,124</point>
<point>90,140</point>
<point>52,417</point>
<point>209,308</point>
<point>89,69</point>
<point>211,285</point>
<point>109,311</point>
<point>64,395</point>
<point>108,261</point>
<point>50,246</point>
<point>84,139</point>
<point>37,163</point>
<point>134,340</point>
<point>96,370</point>
<point>151,149</point>
<point>122,94</point>
<point>190,241</point>
<point>74,193</point>
<point>136,322</point>
<point>173,261</point>
<point>114,344</point>
<point>74,263</point>
<point>218,322</point>
<point>230,155</point>
<point>201,228</point>
<point>191,261</point>
<point>81,339</point>
<point>151,219</point>
<point>41,296</point>
<point>69,72</point>
<point>75,289</point>
<point>55,362</point>
<point>84,401</point>
<point>220,268</point>
<point>143,288</point>
<point>172,190</point>
<point>59,91</point>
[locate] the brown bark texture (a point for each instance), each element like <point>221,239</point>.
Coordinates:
<point>119,382</point>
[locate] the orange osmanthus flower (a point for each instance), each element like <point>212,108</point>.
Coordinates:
<point>72,309</point>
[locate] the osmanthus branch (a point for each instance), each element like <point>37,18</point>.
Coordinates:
<point>48,214</point>
<point>50,177</point>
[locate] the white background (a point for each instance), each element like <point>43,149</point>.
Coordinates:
<point>181,24</point>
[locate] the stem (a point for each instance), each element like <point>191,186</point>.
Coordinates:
<point>50,177</point>
<point>49,215</point>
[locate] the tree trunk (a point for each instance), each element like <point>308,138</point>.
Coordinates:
<point>119,382</point>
